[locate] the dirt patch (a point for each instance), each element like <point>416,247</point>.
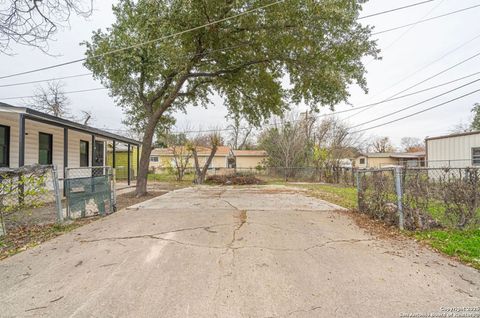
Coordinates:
<point>375,227</point>
<point>26,235</point>
<point>129,199</point>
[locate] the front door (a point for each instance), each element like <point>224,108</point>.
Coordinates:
<point>98,158</point>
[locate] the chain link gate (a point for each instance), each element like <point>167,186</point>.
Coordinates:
<point>89,191</point>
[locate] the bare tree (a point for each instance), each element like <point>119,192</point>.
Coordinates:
<point>333,142</point>
<point>181,150</point>
<point>33,22</point>
<point>215,141</point>
<point>239,134</point>
<point>285,144</point>
<point>412,144</point>
<point>181,159</point>
<point>461,127</point>
<point>381,145</point>
<point>51,100</point>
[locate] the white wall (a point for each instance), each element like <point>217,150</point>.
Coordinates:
<point>32,130</point>
<point>11,120</point>
<point>456,151</point>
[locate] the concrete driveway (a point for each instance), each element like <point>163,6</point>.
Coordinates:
<point>230,252</point>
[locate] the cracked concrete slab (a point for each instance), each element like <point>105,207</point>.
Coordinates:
<point>230,252</point>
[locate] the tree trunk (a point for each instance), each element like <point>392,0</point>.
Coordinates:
<point>197,166</point>
<point>200,175</point>
<point>141,188</point>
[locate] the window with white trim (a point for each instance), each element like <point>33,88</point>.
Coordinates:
<point>153,158</point>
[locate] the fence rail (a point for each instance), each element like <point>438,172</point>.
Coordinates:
<point>421,198</point>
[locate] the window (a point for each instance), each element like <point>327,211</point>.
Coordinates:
<point>153,159</point>
<point>45,143</point>
<point>84,153</point>
<point>476,156</point>
<point>4,146</point>
<point>362,161</point>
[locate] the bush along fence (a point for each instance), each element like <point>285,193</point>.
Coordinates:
<point>421,198</point>
<point>29,194</point>
<point>34,195</point>
<point>334,175</point>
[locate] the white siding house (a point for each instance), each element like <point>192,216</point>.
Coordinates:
<point>31,137</point>
<point>456,150</point>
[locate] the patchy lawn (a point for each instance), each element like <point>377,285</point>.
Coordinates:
<point>171,178</point>
<point>463,245</point>
<point>344,196</point>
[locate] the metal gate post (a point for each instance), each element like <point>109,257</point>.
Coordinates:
<point>398,188</point>
<point>357,177</point>
<point>58,200</point>
<point>113,194</point>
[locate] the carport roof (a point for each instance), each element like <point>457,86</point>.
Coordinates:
<point>49,119</point>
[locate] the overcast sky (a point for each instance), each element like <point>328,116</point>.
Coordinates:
<point>406,53</point>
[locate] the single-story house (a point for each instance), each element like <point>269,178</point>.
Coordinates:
<point>29,137</point>
<point>460,150</point>
<point>249,159</point>
<point>161,158</point>
<point>389,159</point>
<point>225,158</point>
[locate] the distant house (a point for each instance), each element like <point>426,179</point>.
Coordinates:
<point>224,158</point>
<point>455,150</point>
<point>249,159</point>
<point>390,159</point>
<point>164,157</point>
<point>30,137</point>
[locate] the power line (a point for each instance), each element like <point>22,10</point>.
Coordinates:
<point>395,9</point>
<point>147,42</point>
<point>330,114</point>
<point>69,92</point>
<point>416,104</point>
<point>85,74</point>
<point>435,61</point>
<point>419,112</point>
<point>45,80</point>
<point>426,20</point>
<point>423,81</point>
<point>183,32</point>
<point>409,29</point>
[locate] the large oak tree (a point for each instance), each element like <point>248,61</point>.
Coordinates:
<point>295,51</point>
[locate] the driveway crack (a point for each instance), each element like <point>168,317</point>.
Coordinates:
<point>155,235</point>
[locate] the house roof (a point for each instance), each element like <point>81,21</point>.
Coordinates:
<point>454,135</point>
<point>57,121</point>
<point>399,155</point>
<point>222,151</point>
<point>249,153</point>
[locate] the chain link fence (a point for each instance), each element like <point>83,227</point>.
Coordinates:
<point>421,198</point>
<point>29,195</point>
<point>89,191</point>
<point>334,175</point>
<point>34,195</point>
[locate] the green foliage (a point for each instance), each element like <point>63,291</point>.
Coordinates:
<point>317,48</point>
<point>476,119</point>
<point>462,244</point>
